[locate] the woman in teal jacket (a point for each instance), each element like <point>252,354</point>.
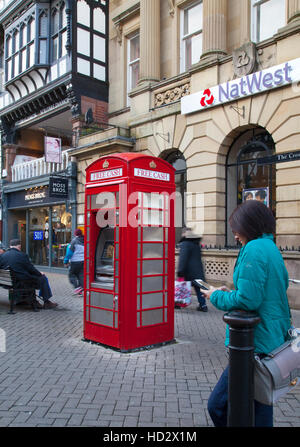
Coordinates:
<point>261,281</point>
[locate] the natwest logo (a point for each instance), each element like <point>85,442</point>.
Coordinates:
<point>207,98</point>
<point>252,84</point>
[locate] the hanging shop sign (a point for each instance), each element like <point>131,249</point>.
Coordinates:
<point>252,84</point>
<point>58,187</point>
<point>52,150</point>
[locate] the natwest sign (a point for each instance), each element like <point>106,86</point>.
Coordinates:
<point>258,82</point>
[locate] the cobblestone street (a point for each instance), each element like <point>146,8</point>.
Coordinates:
<point>50,377</point>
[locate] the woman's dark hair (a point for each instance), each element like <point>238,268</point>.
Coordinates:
<point>251,219</point>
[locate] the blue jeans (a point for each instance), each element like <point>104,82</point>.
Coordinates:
<point>217,406</point>
<point>200,295</point>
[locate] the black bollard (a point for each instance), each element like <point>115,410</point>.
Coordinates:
<point>241,368</point>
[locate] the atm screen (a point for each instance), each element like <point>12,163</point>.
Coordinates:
<point>104,265</point>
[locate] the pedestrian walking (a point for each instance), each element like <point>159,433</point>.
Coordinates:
<point>261,281</point>
<point>75,256</point>
<point>24,270</point>
<point>2,249</point>
<point>190,265</point>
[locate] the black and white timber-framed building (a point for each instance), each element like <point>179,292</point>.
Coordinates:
<point>53,78</point>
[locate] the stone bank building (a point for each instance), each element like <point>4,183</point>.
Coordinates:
<point>213,87</point>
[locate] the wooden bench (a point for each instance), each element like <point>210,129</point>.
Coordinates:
<point>19,291</point>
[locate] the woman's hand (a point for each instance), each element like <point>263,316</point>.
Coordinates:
<point>207,293</point>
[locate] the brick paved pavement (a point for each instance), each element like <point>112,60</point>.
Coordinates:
<point>50,377</point>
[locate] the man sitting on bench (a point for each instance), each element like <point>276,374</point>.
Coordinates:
<point>24,270</point>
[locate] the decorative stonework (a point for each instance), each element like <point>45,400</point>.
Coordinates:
<point>217,269</point>
<point>171,95</point>
<point>244,59</point>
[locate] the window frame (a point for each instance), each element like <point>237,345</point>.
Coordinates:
<point>57,34</point>
<point>132,62</point>
<point>256,19</point>
<point>27,52</point>
<point>185,37</point>
<point>93,62</point>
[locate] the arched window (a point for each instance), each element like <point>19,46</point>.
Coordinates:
<point>177,160</point>
<point>250,172</point>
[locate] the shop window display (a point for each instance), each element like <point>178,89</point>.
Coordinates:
<point>61,231</point>
<point>49,227</point>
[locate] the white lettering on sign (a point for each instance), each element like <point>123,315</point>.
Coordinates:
<point>59,187</point>
<point>252,84</point>
<point>102,175</point>
<point>35,195</point>
<point>164,176</point>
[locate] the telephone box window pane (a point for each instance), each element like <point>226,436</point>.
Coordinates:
<point>153,251</point>
<point>151,300</point>
<point>106,200</point>
<point>152,284</point>
<point>152,217</point>
<point>152,267</point>
<point>116,268</point>
<point>99,48</point>
<point>116,320</point>
<point>104,265</point>
<point>99,20</point>
<point>152,317</point>
<point>83,42</point>
<point>101,316</point>
<point>117,251</point>
<point>99,299</point>
<point>153,234</point>
<point>83,66</point>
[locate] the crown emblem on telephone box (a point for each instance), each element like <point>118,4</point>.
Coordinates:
<point>105,164</point>
<point>152,164</point>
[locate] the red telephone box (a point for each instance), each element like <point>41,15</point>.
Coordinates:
<point>129,251</point>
